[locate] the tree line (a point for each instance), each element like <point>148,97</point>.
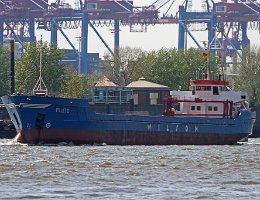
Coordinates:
<point>167,66</point>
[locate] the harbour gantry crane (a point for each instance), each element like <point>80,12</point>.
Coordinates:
<point>20,17</point>
<point>225,21</point>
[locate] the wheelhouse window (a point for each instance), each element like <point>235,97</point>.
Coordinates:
<point>92,6</point>
<point>223,88</point>
<point>209,108</point>
<point>206,88</point>
<point>198,108</point>
<point>221,9</point>
<point>215,90</point>
<point>203,88</point>
<point>215,108</point>
<point>192,107</point>
<point>198,88</point>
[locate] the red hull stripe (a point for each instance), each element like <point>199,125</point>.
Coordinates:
<point>127,138</point>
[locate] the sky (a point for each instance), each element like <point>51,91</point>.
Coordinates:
<point>156,37</point>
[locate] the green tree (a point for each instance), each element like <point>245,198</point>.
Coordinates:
<point>4,70</point>
<point>77,86</point>
<point>175,68</point>
<point>249,74</point>
<point>169,67</point>
<point>27,68</point>
<point>130,66</point>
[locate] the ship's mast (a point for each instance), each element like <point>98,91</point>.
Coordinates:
<point>207,49</point>
<point>40,88</point>
<point>208,65</point>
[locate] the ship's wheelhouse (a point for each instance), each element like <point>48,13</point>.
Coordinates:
<point>208,98</point>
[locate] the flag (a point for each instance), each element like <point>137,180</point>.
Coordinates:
<point>204,55</point>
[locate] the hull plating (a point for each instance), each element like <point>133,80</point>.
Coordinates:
<point>34,136</point>
<point>54,120</point>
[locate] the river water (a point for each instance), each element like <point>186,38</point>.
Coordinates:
<point>129,172</point>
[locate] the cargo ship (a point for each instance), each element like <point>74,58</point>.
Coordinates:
<point>210,113</point>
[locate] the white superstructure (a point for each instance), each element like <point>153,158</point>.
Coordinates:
<point>209,98</point>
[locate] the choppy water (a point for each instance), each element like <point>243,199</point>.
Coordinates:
<point>130,172</point>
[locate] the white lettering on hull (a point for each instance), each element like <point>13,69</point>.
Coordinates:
<point>62,110</point>
<point>171,129</point>
<point>149,126</point>
<point>48,125</point>
<point>186,128</point>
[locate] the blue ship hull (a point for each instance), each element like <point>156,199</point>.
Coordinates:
<point>54,120</point>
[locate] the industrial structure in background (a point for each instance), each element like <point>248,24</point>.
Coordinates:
<point>226,22</point>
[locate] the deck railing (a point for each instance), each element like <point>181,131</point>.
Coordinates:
<point>110,99</point>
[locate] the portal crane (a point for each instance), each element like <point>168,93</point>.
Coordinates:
<point>226,22</point>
